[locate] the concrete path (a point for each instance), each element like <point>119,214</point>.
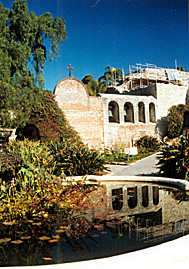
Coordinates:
<point>145,167</point>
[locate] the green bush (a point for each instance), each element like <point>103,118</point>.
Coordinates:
<point>175,119</point>
<point>147,144</point>
<point>49,119</point>
<point>75,159</point>
<point>174,160</point>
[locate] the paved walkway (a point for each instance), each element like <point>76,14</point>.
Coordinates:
<point>145,167</point>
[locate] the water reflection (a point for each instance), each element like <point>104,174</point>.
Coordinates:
<point>145,197</point>
<point>155,195</point>
<point>121,218</point>
<point>117,199</point>
<point>153,213</point>
<point>132,197</point>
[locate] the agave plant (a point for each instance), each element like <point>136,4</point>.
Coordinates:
<point>174,160</point>
<point>76,159</point>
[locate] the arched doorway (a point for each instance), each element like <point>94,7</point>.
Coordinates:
<point>141,112</point>
<point>128,112</point>
<point>113,112</point>
<point>30,131</point>
<point>152,112</point>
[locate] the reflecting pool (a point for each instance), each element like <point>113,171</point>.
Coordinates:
<point>121,217</point>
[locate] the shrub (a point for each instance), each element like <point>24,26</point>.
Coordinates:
<point>74,159</point>
<point>175,120</point>
<point>36,161</point>
<point>117,148</point>
<point>174,160</point>
<point>147,144</point>
<point>35,189</point>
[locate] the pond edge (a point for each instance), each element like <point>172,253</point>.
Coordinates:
<point>169,255</point>
<point>178,183</point>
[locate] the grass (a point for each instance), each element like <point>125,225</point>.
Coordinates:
<point>110,158</point>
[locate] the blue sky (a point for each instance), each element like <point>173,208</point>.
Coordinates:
<point>118,33</point>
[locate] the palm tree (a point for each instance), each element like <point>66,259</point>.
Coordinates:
<point>94,87</point>
<point>111,75</point>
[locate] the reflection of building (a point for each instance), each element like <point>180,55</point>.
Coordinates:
<point>133,198</point>
<point>140,107</point>
<point>147,209</point>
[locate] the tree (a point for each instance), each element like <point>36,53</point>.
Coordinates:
<point>175,120</point>
<point>87,79</point>
<point>112,76</point>
<point>49,119</point>
<point>180,68</point>
<point>94,87</point>
<point>23,53</point>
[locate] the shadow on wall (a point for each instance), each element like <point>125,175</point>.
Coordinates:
<point>161,127</point>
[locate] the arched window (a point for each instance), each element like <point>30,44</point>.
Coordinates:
<point>141,112</point>
<point>132,197</point>
<point>152,112</point>
<point>145,197</point>
<point>155,195</point>
<point>128,112</point>
<point>113,111</point>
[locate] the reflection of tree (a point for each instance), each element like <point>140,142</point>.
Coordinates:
<point>35,251</point>
<point>31,250</point>
<point>179,196</point>
<point>77,228</point>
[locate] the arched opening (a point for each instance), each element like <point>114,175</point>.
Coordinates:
<point>155,195</point>
<point>30,131</point>
<point>152,112</point>
<point>141,112</point>
<point>113,112</point>
<point>117,199</point>
<point>145,197</point>
<point>128,112</point>
<point>132,197</point>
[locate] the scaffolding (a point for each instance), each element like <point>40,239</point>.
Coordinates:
<point>143,75</point>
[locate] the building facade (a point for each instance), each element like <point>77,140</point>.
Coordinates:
<point>102,120</point>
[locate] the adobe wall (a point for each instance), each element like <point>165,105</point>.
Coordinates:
<point>84,112</point>
<point>125,132</point>
<point>147,91</point>
<point>169,95</point>
<point>89,115</point>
